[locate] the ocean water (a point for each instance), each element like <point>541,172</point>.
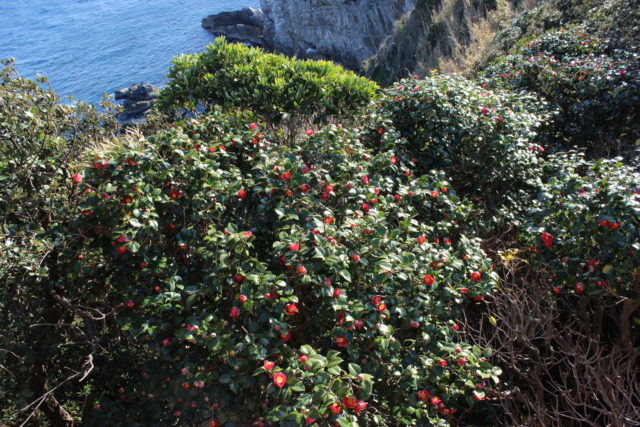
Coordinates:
<point>90,47</point>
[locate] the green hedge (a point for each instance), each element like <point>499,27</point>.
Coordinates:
<point>273,86</point>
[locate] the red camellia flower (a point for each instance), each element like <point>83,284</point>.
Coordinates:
<point>130,304</point>
<point>302,270</point>
<point>335,408</point>
<point>253,126</point>
<point>579,287</point>
<point>285,337</point>
<point>360,406</point>
<point>442,363</point>
<point>547,240</point>
<point>291,309</point>
<point>174,194</point>
<point>309,132</point>
<point>242,194</point>
<point>127,199</point>
<point>428,280</point>
<point>76,178</point>
<point>435,400</point>
<point>423,395</point>
<point>328,220</point>
<point>365,207</point>
<point>304,188</point>
<point>381,307</point>
<point>434,194</point>
<point>280,379</point>
<point>476,276</point>
<point>393,160</point>
<point>341,341</point>
<point>310,420</point>
<point>355,258</point>
<point>247,234</point>
<point>268,365</point>
<point>242,298</point>
<point>376,300</point>
<point>234,312</point>
<point>365,179</point>
<point>455,327</point>
<point>421,240</point>
<point>349,402</point>
<point>294,247</point>
<point>303,358</point>
<point>121,249</point>
<point>484,111</point>
<point>286,176</point>
<point>337,292</point>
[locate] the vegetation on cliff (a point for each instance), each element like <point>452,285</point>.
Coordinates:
<point>282,243</point>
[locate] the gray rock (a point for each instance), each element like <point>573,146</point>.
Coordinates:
<point>121,93</point>
<point>142,91</point>
<point>247,16</point>
<point>134,108</point>
<point>241,25</point>
<point>138,99</point>
<point>346,32</point>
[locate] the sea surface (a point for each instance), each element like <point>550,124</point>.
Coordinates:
<point>90,47</point>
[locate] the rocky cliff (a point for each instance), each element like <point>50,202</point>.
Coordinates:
<point>347,31</point>
<point>383,39</point>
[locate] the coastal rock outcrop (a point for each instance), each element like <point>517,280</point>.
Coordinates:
<point>382,39</point>
<point>347,32</point>
<point>344,31</point>
<point>244,25</point>
<point>138,99</point>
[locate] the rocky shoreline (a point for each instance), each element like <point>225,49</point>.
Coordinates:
<point>347,33</point>
<point>137,100</point>
<point>245,25</point>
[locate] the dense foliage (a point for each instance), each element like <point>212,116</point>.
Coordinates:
<point>322,258</point>
<point>384,266</point>
<point>273,86</point>
<point>484,139</point>
<point>596,88</point>
<point>41,140</point>
<point>585,230</point>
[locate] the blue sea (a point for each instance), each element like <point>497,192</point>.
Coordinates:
<point>90,47</point>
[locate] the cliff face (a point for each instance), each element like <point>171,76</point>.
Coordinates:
<point>348,31</point>
<point>384,39</point>
<point>434,30</point>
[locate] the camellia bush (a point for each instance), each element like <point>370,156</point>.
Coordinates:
<point>584,229</point>
<point>273,86</point>
<point>484,139</point>
<point>595,88</point>
<point>253,283</point>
